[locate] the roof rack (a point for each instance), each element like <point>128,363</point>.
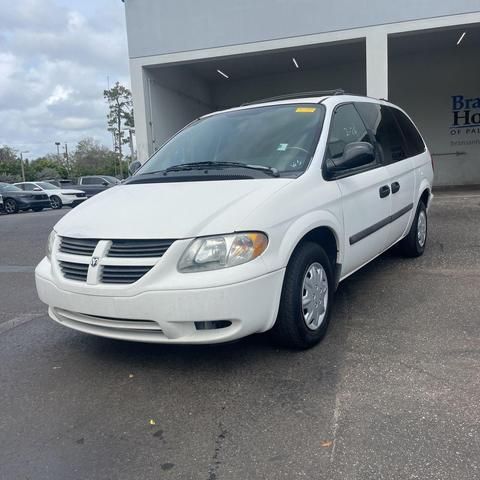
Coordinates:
<point>292,96</point>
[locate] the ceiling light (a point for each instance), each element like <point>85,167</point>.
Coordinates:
<point>295,62</point>
<point>222,74</point>
<point>461,38</point>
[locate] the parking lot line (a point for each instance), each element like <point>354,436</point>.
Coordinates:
<point>19,320</point>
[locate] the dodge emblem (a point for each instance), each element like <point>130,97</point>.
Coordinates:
<point>94,261</point>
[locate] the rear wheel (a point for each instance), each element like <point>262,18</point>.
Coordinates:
<point>10,206</point>
<point>56,202</point>
<point>306,299</point>
<point>413,245</point>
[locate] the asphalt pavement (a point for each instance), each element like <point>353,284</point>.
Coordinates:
<point>393,392</point>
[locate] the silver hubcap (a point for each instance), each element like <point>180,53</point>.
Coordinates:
<point>314,296</point>
<point>422,228</point>
<point>54,202</point>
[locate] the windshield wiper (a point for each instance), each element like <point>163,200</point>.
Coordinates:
<point>213,165</point>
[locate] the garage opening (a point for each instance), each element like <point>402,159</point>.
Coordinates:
<point>435,76</point>
<point>177,94</point>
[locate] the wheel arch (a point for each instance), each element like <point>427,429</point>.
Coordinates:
<point>425,196</point>
<point>325,231</point>
<point>425,193</point>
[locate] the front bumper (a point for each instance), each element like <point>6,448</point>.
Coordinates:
<point>167,316</point>
<point>72,200</point>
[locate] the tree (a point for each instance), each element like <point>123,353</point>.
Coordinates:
<point>120,116</point>
<point>10,168</point>
<point>48,166</point>
<point>92,158</point>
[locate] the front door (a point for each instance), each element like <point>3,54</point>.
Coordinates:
<point>366,199</point>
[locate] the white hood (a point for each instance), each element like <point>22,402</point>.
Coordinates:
<point>169,210</point>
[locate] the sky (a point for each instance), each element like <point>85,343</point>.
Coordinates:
<point>56,58</point>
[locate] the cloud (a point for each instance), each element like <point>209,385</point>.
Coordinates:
<point>54,62</point>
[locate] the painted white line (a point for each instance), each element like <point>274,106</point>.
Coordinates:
<point>17,321</point>
<point>336,416</point>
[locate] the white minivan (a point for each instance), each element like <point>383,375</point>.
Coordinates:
<point>249,219</point>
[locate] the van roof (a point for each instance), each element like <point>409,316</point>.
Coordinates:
<point>303,97</point>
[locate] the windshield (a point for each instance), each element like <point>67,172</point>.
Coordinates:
<point>281,137</point>
<point>47,186</point>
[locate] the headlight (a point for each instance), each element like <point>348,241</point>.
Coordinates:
<point>213,253</point>
<point>50,241</point>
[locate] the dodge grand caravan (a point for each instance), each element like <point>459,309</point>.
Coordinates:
<point>250,219</point>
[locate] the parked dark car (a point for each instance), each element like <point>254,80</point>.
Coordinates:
<point>94,184</point>
<point>15,199</point>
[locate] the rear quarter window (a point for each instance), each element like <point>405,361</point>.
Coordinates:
<point>413,138</point>
<point>381,122</point>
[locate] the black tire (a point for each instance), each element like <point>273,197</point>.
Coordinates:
<point>290,329</point>
<point>10,206</point>
<point>37,209</point>
<point>411,246</point>
<point>56,202</point>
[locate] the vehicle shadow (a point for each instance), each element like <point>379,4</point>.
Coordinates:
<point>250,351</point>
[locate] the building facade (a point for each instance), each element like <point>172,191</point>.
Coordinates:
<point>190,57</point>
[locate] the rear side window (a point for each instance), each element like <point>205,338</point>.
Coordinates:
<point>92,181</point>
<point>381,122</point>
<point>414,141</point>
<point>347,127</point>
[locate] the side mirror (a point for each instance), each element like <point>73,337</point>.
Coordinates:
<point>105,184</point>
<point>356,154</point>
<point>134,166</point>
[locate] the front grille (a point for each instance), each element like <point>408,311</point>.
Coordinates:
<point>78,246</point>
<point>74,271</point>
<point>139,248</point>
<point>123,273</point>
<point>112,274</point>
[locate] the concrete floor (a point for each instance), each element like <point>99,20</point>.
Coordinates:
<point>393,392</point>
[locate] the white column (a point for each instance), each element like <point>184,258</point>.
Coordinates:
<point>140,109</point>
<point>377,63</point>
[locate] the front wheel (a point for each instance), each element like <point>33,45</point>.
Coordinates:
<point>413,245</point>
<point>306,300</point>
<point>10,206</point>
<point>55,202</point>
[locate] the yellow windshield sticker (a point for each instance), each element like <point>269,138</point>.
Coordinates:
<point>305,109</point>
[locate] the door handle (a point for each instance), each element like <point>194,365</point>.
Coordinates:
<point>384,191</point>
<point>395,187</point>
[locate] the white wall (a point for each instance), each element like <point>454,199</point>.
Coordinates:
<point>177,98</point>
<point>157,27</point>
<point>423,85</point>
